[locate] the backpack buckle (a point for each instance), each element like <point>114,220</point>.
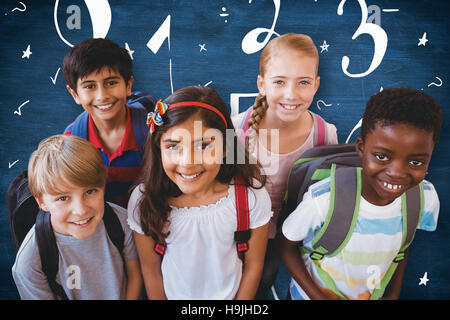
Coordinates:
<point>160,249</point>
<point>242,235</point>
<point>315,255</point>
<point>242,247</point>
<point>399,257</point>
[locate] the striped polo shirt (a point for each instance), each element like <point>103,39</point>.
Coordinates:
<point>124,166</point>
<point>358,269</point>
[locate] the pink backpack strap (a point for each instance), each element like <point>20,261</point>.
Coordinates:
<point>319,130</point>
<point>242,235</point>
<point>244,126</point>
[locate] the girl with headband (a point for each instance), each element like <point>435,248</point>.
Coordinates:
<point>200,216</point>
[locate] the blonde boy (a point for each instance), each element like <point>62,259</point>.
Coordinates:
<point>67,177</point>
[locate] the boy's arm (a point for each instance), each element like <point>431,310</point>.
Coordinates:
<point>134,280</point>
<point>33,288</point>
<point>150,263</point>
<point>30,281</point>
<point>253,263</point>
<point>292,260</point>
<point>394,287</point>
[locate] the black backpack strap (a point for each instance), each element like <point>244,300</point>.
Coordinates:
<point>345,194</point>
<point>48,251</point>
<point>113,228</point>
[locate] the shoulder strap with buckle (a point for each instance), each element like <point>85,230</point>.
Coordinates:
<point>242,234</point>
<point>345,195</point>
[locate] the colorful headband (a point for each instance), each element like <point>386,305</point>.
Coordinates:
<point>155,118</point>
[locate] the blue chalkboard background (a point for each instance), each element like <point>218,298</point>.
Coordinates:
<point>203,45</point>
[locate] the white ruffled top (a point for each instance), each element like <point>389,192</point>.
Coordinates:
<point>201,260</point>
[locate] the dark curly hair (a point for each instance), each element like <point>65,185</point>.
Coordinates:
<point>402,105</point>
<point>92,55</point>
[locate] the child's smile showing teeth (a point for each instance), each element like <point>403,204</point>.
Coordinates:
<point>105,106</point>
<point>189,177</point>
<point>289,106</point>
<point>82,222</point>
<point>394,187</point>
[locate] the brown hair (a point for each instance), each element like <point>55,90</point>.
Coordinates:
<point>294,41</point>
<point>61,160</point>
<point>158,188</point>
<point>92,55</point>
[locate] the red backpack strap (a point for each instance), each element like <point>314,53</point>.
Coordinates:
<point>319,130</point>
<point>242,235</point>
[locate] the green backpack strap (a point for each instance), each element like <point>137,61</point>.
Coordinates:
<point>412,208</point>
<point>345,195</point>
<point>340,221</point>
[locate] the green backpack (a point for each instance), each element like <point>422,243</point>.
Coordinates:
<point>345,195</point>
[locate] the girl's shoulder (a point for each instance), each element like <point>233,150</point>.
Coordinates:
<point>260,207</point>
<point>430,213</point>
<point>258,195</point>
<point>136,195</point>
<point>134,218</point>
<point>258,201</point>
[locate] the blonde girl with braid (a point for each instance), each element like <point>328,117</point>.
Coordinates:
<point>279,128</point>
